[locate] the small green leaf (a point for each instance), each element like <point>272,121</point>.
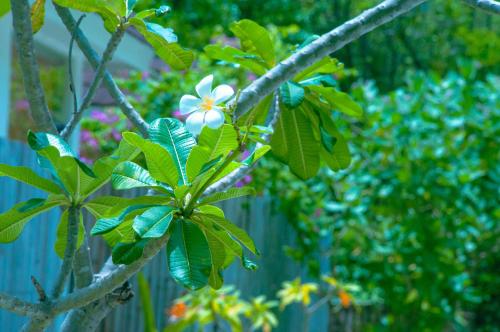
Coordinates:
<point>164,41</point>
<point>37,15</point>
<point>154,222</point>
<point>12,222</point>
<point>109,206</point>
<point>320,80</point>
<point>26,175</point>
<point>232,229</point>
<point>219,141</point>
<point>292,94</point>
<point>228,194</point>
<point>160,163</point>
<point>128,175</point>
<point>106,225</point>
<point>127,253</point>
<point>188,255</point>
<point>339,101</point>
<point>173,136</point>
<point>62,234</point>
<point>295,143</point>
<point>255,39</point>
<point>326,65</point>
<point>233,55</point>
<point>110,11</point>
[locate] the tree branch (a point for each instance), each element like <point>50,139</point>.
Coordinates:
<point>69,253</point>
<point>113,43</point>
<point>17,306</point>
<point>94,60</point>
<point>489,6</point>
<point>321,47</point>
<point>29,67</point>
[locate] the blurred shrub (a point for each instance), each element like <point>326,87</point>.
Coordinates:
<point>415,218</point>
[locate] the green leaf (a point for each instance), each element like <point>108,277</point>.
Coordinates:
<point>128,175</point>
<point>37,15</point>
<point>236,232</point>
<point>334,150</point>
<point>188,255</point>
<point>218,257</point>
<point>12,222</point>
<point>104,167</point>
<point>109,206</point>
<point>4,7</point>
<point>173,136</point>
<point>41,141</point>
<point>233,55</point>
<point>228,194</point>
<point>164,41</point>
<point>105,225</point>
<point>130,6</point>
<point>154,222</point>
<point>292,94</point>
<point>146,303</point>
<point>259,113</point>
<point>326,65</point>
<point>255,39</point>
<point>127,253</point>
<point>160,164</point>
<point>294,142</point>
<point>219,141</point>
<point>62,234</point>
<point>340,101</point>
<point>256,155</point>
<point>110,11</point>
<point>320,80</point>
<point>26,175</point>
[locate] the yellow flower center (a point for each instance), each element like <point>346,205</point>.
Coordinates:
<point>207,104</point>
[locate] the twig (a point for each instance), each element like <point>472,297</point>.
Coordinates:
<point>109,82</point>
<point>98,76</point>
<point>29,67</point>
<point>42,296</point>
<point>69,253</point>
<point>489,6</point>
<point>70,67</point>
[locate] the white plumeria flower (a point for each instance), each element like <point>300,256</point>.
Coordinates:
<point>205,110</point>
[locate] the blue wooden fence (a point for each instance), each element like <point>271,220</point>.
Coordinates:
<point>33,254</point>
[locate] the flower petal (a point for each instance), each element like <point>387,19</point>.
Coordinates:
<point>222,93</point>
<point>204,88</point>
<point>214,119</point>
<point>194,122</point>
<point>188,104</point>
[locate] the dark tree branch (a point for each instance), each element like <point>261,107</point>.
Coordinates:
<point>29,67</point>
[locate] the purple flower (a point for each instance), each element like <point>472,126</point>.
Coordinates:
<point>245,154</point>
<point>92,142</point>
<point>177,114</point>
<point>86,160</point>
<point>85,135</point>
<point>247,179</point>
<point>104,117</point>
<point>251,77</point>
<point>116,135</point>
<point>22,105</point>
<point>145,75</point>
<point>239,184</point>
